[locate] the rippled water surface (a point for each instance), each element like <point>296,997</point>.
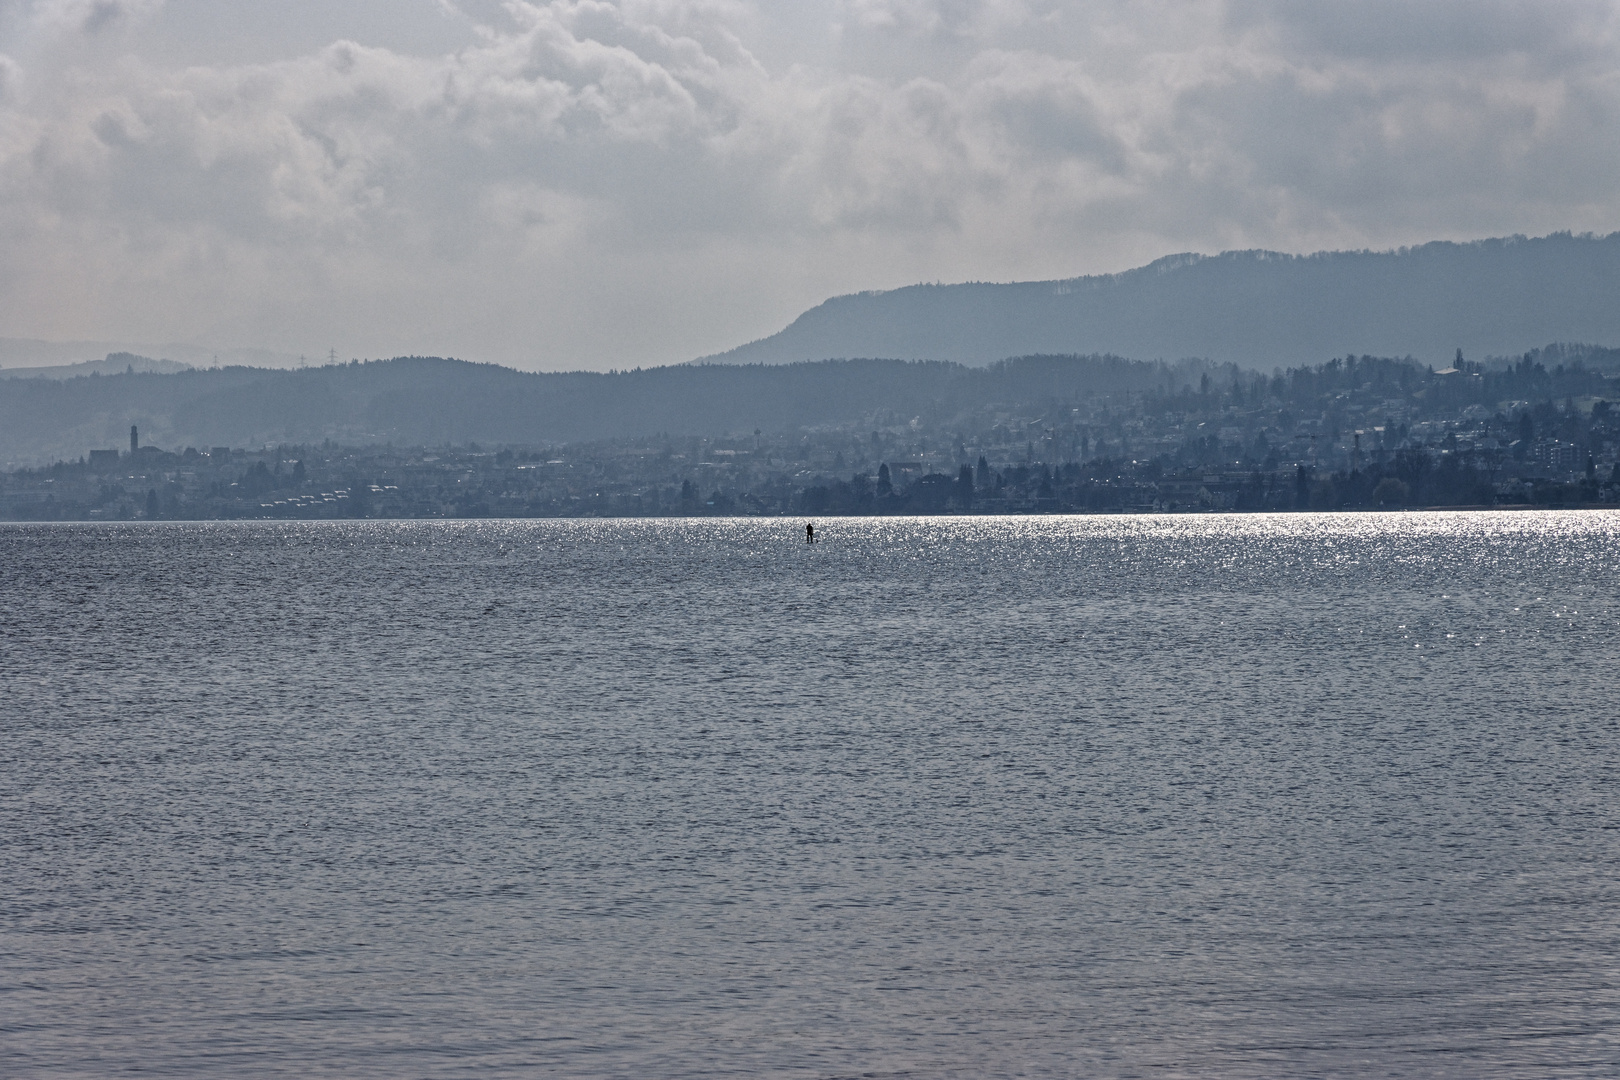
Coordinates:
<point>1207,797</point>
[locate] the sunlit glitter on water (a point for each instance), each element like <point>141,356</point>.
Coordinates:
<point>1198,796</point>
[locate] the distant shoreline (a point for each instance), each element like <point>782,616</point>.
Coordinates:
<point>1405,510</point>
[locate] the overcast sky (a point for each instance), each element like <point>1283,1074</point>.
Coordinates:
<point>628,182</point>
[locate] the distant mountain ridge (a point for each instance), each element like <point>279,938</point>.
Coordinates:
<point>118,363</point>
<point>1257,309</point>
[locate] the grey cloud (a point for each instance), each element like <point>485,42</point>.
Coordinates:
<point>502,198</point>
<point>1045,109</point>
<point>975,19</point>
<point>1548,30</point>
<point>91,16</point>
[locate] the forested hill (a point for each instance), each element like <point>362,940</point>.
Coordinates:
<point>419,401</point>
<point>1258,309</point>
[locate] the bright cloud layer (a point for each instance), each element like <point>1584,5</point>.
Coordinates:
<point>614,182</point>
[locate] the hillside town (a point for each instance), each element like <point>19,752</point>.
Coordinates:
<point>1355,433</point>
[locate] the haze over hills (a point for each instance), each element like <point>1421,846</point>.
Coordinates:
<point>415,401</point>
<point>1257,309</point>
<point>428,401</point>
<point>24,356</point>
<point>115,363</point>
<point>420,437</point>
<point>1239,310</point>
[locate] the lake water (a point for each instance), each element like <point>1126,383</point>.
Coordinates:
<point>1217,796</point>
